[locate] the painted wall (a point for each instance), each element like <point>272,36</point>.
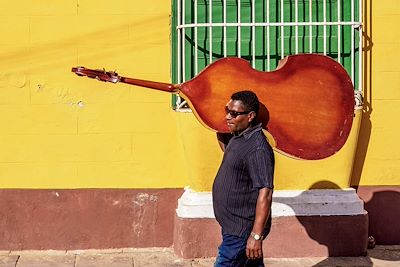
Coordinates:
<point>378,154</point>
<point>64,131</point>
<point>59,130</point>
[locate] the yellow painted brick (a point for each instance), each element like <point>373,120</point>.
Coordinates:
<point>66,148</point>
<point>37,175</point>
<point>91,91</point>
<point>129,59</point>
<point>51,63</point>
<point>102,30</point>
<point>386,85</point>
<point>383,57</point>
<point>383,142</point>
<point>142,152</point>
<point>148,95</point>
<point>61,87</point>
<point>38,7</point>
<point>156,175</point>
<point>385,29</point>
<point>92,7</point>
<point>14,88</point>
<point>148,174</point>
<point>104,147</point>
<point>106,174</point>
<point>386,7</point>
<point>147,29</point>
<point>381,172</point>
<point>201,153</point>
<point>94,92</point>
<point>156,6</point>
<point>43,119</point>
<point>13,95</point>
<point>151,59</point>
<point>111,118</point>
<point>52,31</point>
<point>14,30</point>
<point>384,113</point>
<point>141,117</point>
<point>14,60</point>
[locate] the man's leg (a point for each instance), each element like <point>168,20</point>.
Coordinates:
<point>232,253</point>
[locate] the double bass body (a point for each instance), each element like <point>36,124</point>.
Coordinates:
<point>309,100</point>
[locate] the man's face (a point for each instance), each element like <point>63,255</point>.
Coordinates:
<point>237,117</point>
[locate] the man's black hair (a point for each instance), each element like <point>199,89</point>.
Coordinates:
<point>249,100</point>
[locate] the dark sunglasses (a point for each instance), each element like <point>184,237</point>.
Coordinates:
<point>234,114</point>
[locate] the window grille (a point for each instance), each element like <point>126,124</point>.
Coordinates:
<point>263,32</point>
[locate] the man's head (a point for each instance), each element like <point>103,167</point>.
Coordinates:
<point>241,111</point>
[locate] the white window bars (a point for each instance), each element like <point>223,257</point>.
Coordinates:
<point>209,29</point>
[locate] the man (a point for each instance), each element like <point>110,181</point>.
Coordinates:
<point>242,189</point>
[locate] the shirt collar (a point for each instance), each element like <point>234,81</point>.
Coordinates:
<point>250,131</point>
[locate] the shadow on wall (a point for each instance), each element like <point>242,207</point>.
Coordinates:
<point>382,202</point>
<point>383,209</point>
<point>384,225</point>
<point>344,234</point>
<point>318,228</point>
<point>366,125</point>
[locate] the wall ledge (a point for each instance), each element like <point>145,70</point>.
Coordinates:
<point>322,202</point>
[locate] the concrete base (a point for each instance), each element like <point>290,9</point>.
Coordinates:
<point>196,238</point>
<point>309,223</point>
<point>317,236</point>
<point>305,223</point>
<point>86,219</point>
<point>304,236</point>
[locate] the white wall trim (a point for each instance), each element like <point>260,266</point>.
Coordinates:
<point>315,202</point>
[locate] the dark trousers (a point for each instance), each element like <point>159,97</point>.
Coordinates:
<point>232,253</point>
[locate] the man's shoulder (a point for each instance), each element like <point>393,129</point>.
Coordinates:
<point>259,138</point>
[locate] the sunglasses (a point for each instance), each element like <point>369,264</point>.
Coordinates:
<point>234,114</point>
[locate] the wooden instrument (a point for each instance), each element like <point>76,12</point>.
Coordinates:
<point>308,99</point>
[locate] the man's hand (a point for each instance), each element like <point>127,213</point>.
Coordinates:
<point>254,248</point>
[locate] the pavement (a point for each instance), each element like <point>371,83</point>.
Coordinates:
<point>381,256</point>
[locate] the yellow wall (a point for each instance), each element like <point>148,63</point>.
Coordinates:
<point>59,130</point>
<point>378,155</point>
<point>63,131</point>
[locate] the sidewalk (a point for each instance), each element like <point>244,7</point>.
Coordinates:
<point>380,256</point>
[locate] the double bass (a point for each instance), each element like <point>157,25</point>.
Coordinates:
<point>307,101</point>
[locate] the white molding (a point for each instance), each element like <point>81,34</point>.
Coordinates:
<point>315,202</point>
<point>195,205</point>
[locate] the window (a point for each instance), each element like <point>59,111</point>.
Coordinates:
<point>263,32</point>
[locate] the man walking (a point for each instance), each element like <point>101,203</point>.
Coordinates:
<point>242,189</point>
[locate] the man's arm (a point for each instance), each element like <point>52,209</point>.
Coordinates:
<point>223,139</point>
<point>263,209</point>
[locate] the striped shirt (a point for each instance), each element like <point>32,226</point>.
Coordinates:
<point>247,166</point>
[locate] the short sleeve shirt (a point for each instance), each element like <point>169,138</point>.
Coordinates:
<point>247,166</point>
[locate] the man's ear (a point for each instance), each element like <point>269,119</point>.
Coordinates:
<point>252,116</point>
